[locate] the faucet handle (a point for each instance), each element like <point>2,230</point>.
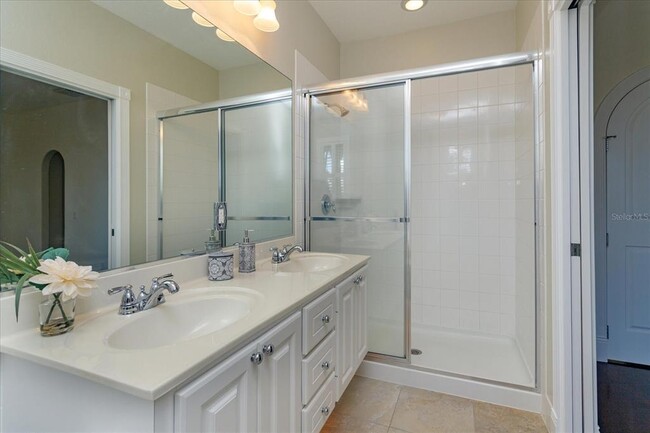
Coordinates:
<point>126,289</point>
<point>162,277</point>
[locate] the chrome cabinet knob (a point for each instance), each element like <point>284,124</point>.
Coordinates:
<point>268,349</point>
<point>325,410</point>
<point>358,280</point>
<point>257,358</point>
<point>325,365</point>
<point>325,319</point>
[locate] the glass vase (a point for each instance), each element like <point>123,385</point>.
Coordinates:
<point>57,315</point>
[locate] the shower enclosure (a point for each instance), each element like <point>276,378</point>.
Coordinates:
<point>431,172</point>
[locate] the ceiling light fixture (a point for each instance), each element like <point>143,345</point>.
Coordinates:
<point>224,36</point>
<point>413,5</point>
<point>248,7</point>
<point>176,4</point>
<point>200,20</point>
<point>266,20</point>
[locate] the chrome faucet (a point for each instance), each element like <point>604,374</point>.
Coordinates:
<point>282,255</point>
<point>130,304</point>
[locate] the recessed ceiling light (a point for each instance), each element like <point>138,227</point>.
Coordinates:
<point>413,5</point>
<point>176,4</point>
<point>200,20</point>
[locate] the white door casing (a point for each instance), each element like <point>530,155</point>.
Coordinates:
<point>628,228</point>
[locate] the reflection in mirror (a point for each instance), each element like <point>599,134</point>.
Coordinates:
<point>241,149</point>
<point>60,139</point>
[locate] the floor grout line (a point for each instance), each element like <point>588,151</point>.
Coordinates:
<point>390,423</point>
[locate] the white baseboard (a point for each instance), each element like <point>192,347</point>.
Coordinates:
<point>502,395</point>
<point>601,349</point>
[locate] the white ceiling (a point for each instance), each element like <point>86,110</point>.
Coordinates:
<point>354,20</point>
<point>177,29</point>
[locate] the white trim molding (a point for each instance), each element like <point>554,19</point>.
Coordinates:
<point>561,192</point>
<point>119,148</point>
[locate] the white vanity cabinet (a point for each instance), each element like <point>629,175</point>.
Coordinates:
<point>352,335</point>
<point>255,390</point>
<point>319,363</point>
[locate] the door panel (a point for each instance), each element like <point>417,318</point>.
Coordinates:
<point>628,228</point>
<point>358,196</point>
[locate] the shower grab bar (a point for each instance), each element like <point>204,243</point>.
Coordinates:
<point>367,219</point>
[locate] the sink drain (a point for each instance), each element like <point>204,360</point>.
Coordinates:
<point>416,352</point>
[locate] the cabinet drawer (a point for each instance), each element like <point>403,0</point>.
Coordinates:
<point>320,408</point>
<point>318,320</point>
<point>318,366</point>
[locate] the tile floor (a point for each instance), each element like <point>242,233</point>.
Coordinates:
<point>373,406</point>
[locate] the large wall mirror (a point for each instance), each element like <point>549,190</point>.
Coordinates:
<point>207,121</point>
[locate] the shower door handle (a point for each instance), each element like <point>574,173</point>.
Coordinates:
<point>327,204</point>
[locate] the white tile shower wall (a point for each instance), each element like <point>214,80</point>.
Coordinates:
<point>157,99</point>
<point>463,202</point>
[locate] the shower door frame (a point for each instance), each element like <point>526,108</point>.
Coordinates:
<point>406,77</point>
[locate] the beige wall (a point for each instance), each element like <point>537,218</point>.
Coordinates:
<point>479,37</point>
<point>301,28</point>
<point>81,36</point>
<point>250,79</point>
<point>621,43</point>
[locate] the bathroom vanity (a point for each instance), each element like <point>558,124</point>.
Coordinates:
<point>270,351</point>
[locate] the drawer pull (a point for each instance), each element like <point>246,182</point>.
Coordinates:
<point>325,411</point>
<point>268,349</point>
<point>325,365</point>
<point>257,358</point>
<point>358,280</point>
<point>325,319</point>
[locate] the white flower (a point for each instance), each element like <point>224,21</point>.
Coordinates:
<point>65,277</point>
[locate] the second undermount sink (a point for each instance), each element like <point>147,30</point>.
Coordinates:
<point>181,320</point>
<point>311,262</point>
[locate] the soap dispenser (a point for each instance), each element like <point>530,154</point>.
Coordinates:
<point>212,244</point>
<point>247,254</point>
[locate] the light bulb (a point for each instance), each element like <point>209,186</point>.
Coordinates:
<point>266,20</point>
<point>176,4</point>
<point>412,5</point>
<point>200,20</point>
<point>248,7</point>
<point>223,36</point>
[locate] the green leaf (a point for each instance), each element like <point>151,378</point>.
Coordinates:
<point>32,256</point>
<point>19,289</point>
<point>18,265</point>
<point>53,253</point>
<point>22,253</point>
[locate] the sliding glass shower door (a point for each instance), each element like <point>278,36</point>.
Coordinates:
<point>358,197</point>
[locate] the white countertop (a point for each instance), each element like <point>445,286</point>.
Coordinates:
<point>151,373</point>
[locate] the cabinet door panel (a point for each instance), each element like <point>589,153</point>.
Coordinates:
<point>279,401</point>
<point>223,400</point>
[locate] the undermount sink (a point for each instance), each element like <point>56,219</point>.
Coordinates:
<point>311,262</point>
<point>181,320</point>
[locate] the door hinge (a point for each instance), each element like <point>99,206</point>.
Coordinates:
<point>112,232</point>
<point>608,332</point>
<point>575,250</point>
<point>607,142</point>
<point>606,239</point>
